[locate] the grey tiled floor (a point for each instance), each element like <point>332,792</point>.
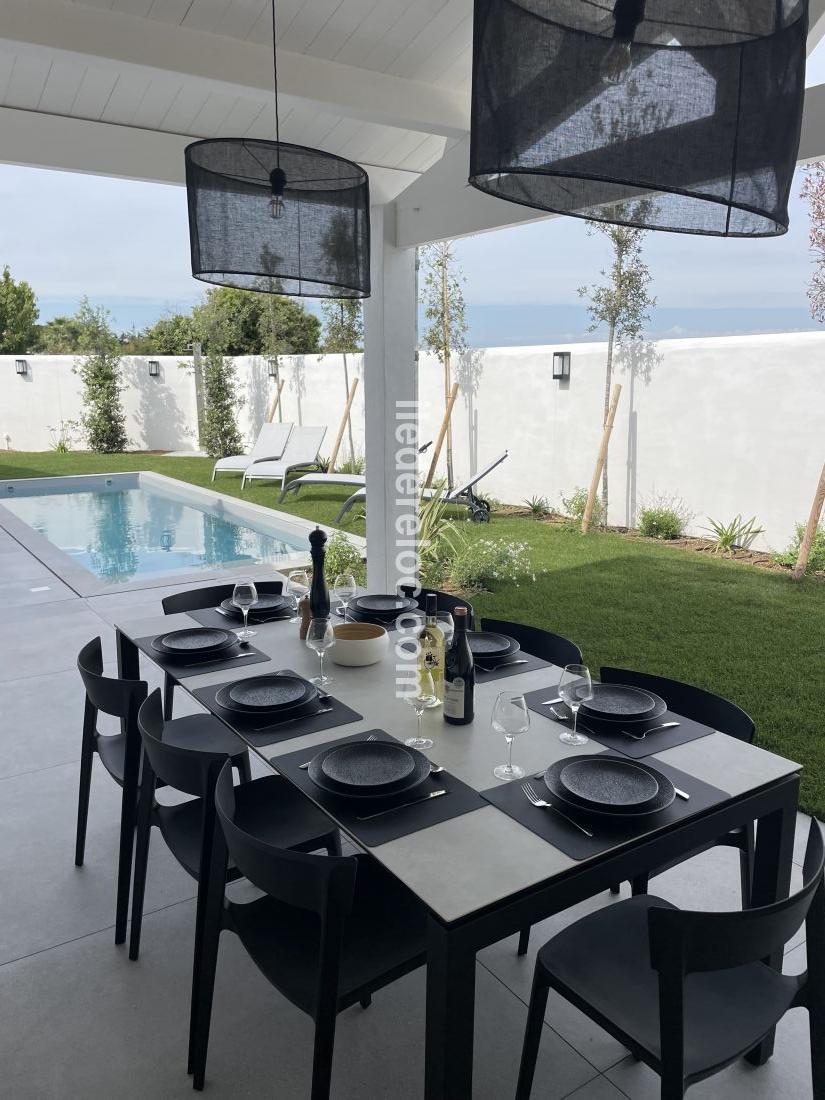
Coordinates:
<point>77,1019</point>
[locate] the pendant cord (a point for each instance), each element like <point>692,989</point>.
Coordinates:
<point>275,76</point>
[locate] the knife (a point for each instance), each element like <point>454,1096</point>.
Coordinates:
<point>218,660</point>
<point>552,702</point>
<point>287,721</point>
<point>501,664</point>
<point>402,805</point>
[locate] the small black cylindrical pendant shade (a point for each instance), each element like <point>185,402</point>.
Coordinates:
<point>318,245</point>
<point>682,115</point>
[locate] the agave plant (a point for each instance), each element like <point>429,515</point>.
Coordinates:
<point>738,534</point>
<point>439,539</point>
<point>538,507</point>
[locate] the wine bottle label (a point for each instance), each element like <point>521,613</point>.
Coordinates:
<point>454,698</point>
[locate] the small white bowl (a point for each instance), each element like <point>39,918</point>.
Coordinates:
<point>359,644</point>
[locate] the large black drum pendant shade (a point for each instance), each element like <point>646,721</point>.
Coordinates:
<point>681,115</point>
<point>275,217</point>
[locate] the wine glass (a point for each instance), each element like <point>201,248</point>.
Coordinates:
<point>344,589</point>
<point>296,585</point>
<point>575,688</point>
<point>420,697</point>
<point>510,717</point>
<point>320,636</point>
<point>244,596</point>
<point>444,622</point>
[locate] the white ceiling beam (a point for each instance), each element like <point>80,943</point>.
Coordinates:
<point>113,38</point>
<point>812,139</point>
<point>38,140</point>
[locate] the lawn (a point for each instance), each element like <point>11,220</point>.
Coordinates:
<point>752,635</point>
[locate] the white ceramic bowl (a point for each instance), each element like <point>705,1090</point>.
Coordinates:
<point>358,644</point>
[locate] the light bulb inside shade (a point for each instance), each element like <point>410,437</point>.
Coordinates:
<point>617,62</point>
<point>276,207</point>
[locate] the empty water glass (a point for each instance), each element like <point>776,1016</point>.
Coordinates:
<point>320,637</point>
<point>343,590</point>
<point>420,696</point>
<point>512,718</point>
<point>296,587</point>
<point>244,596</point>
<point>575,688</point>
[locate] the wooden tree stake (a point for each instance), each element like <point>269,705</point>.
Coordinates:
<point>810,530</point>
<point>276,400</point>
<point>439,443</point>
<point>597,473</point>
<point>344,420</point>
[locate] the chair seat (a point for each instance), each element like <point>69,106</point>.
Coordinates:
<point>203,732</point>
<point>270,808</point>
<point>234,462</point>
<point>112,752</point>
<point>385,937</point>
<point>602,964</point>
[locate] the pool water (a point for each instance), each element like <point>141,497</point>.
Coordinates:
<point>122,535</point>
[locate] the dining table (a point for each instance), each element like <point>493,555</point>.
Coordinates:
<point>481,873</point>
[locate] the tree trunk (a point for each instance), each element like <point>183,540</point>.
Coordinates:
<point>810,530</point>
<point>349,418</point>
<point>608,379</point>
<point>445,328</point>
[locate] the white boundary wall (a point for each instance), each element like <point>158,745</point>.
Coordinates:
<point>730,424</point>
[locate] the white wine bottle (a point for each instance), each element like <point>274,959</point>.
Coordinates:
<point>431,648</point>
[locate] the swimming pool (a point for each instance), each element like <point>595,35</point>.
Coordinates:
<point>135,530</point>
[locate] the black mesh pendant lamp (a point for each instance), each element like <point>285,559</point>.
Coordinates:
<point>682,115</point>
<point>275,217</point>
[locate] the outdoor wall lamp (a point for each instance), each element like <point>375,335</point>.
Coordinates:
<point>21,366</point>
<point>154,368</point>
<point>273,368</point>
<point>561,365</point>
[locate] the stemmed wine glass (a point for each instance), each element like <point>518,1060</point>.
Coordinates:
<point>510,717</point>
<point>296,585</point>
<point>575,688</point>
<point>244,596</point>
<point>320,636</point>
<point>445,623</point>
<point>343,590</point>
<point>420,697</point>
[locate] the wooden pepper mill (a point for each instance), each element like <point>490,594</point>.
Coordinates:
<point>304,617</point>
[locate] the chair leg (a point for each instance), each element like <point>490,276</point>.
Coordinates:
<point>142,837</point>
<point>168,696</point>
<point>532,1034</point>
<point>87,753</point>
<point>211,889</point>
<point>673,1087</point>
<point>322,1053</point>
<point>639,884</point>
<point>244,768</point>
<point>616,889</point>
<point>746,856</point>
<point>366,1000</point>
<point>334,845</point>
<point>128,816</point>
<point>523,940</point>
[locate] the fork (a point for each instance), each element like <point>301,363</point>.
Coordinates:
<point>653,729</point>
<point>542,804</point>
<point>306,763</point>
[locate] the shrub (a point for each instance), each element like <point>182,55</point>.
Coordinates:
<point>355,464</point>
<point>65,436</point>
<point>103,419</point>
<point>343,557</point>
<point>538,507</point>
<point>664,517</point>
<point>219,430</point>
<point>439,539</point>
<point>480,563</point>
<point>738,534</point>
<point>574,506</point>
<point>816,561</point>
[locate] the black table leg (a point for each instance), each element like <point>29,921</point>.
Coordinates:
<point>128,667</point>
<point>451,984</point>
<point>773,864</point>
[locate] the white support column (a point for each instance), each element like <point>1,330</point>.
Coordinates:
<point>390,394</point>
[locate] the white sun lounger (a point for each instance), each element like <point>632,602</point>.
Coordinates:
<point>463,494</point>
<point>301,453</point>
<point>271,443</point>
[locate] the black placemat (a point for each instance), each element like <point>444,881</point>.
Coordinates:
<point>192,666</point>
<point>461,799</point>
<point>607,832</point>
<point>258,730</point>
<point>485,676</point>
<point>687,730</point>
<point>208,616</point>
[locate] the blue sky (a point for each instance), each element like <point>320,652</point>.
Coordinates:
<point>126,245</point>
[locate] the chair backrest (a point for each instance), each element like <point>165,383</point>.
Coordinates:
<point>692,702</point>
<point>272,440</point>
<point>190,770</point>
<point>688,942</point>
<point>444,601</point>
<point>324,885</point>
<point>541,643</point>
<point>461,489</point>
<point>194,599</point>
<point>304,445</point>
<point>109,694</point>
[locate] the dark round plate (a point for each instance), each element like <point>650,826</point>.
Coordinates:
<point>619,701</point>
<point>275,692</point>
<point>663,798</point>
<point>301,709</point>
<point>268,603</point>
<point>609,783</point>
<point>389,607</point>
<point>485,645</point>
<point>364,764</point>
<point>194,641</point>
<point>608,721</point>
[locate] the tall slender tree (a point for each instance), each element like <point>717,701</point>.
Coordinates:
<point>103,418</point>
<point>443,299</point>
<point>622,302</point>
<point>343,335</point>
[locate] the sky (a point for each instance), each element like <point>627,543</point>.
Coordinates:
<point>125,245</point>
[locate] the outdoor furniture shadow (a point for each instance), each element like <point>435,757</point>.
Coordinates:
<point>327,935</point>
<point>687,992</point>
<point>270,444</point>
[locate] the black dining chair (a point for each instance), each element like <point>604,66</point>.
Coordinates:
<point>687,993</point>
<point>445,601</point>
<point>720,714</point>
<point>196,599</point>
<point>119,753</point>
<point>327,935</point>
<point>541,643</point>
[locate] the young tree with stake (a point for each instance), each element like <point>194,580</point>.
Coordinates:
<point>343,335</point>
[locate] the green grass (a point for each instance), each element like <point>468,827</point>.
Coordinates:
<point>750,634</point>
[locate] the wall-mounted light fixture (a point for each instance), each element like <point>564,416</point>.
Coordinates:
<point>273,368</point>
<point>154,368</point>
<point>561,365</point>
<point>21,366</point>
